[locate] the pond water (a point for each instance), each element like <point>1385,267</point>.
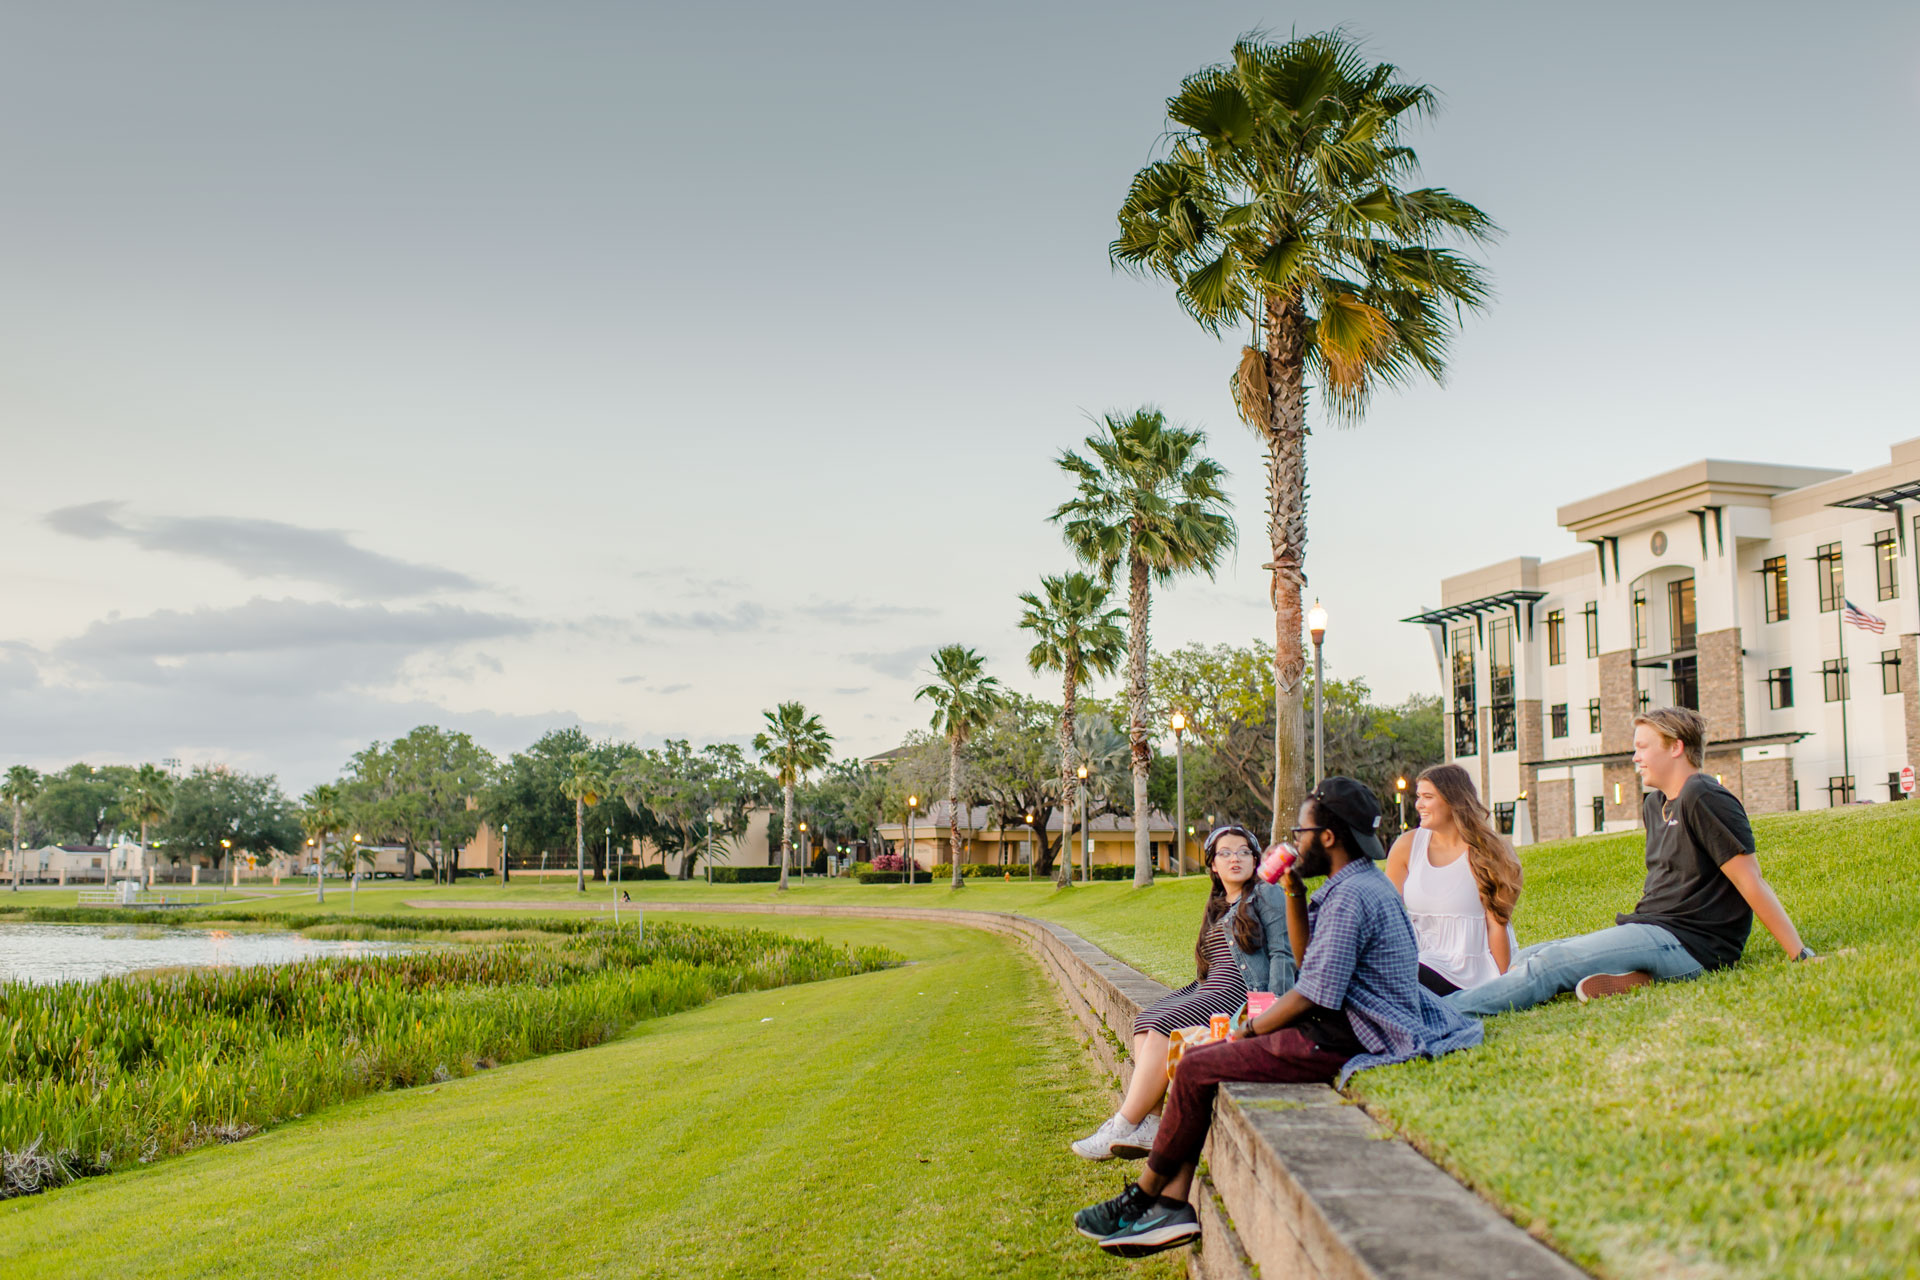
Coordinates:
<point>43,953</point>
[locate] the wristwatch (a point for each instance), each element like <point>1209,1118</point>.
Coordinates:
<point>1806,953</point>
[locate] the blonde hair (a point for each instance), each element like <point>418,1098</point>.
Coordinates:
<point>1679,724</point>
<point>1496,871</point>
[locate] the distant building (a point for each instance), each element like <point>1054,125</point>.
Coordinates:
<point>981,841</point>
<point>1720,586</point>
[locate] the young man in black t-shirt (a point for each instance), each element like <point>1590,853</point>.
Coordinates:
<point>1703,888</point>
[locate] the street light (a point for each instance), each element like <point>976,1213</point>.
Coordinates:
<point>1086,842</point>
<point>226,846</point>
<point>503,852</point>
<point>913,802</point>
<point>1400,793</point>
<point>1317,624</point>
<point>1028,853</point>
<point>613,879</point>
<point>711,819</point>
<point>1180,794</point>
<point>353,885</point>
<point>805,861</point>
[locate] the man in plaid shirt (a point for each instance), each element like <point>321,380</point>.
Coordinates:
<point>1358,1003</point>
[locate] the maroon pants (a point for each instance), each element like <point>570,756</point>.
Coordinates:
<point>1287,1056</point>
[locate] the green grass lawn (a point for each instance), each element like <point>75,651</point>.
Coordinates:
<point>911,1122</point>
<point>1757,1123</point>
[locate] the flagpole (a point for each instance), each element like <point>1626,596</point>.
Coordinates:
<point>1846,689</point>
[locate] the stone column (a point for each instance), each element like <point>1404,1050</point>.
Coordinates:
<point>1910,692</point>
<point>1532,744</point>
<point>1486,749</point>
<point>1618,707</point>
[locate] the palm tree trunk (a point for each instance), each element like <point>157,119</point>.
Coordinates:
<point>1137,602</point>
<point>16,845</point>
<point>953,809</point>
<point>579,843</point>
<point>786,834</point>
<point>1069,693</point>
<point>1286,437</point>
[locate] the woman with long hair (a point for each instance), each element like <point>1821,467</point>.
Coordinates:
<point>1460,881</point>
<point>1242,947</point>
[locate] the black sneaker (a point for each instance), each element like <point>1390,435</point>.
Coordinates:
<point>1159,1227</point>
<point>1097,1222</point>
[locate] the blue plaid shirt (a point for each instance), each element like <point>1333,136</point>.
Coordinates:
<point>1362,959</point>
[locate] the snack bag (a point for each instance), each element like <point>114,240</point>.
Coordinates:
<point>1183,1039</point>
<point>1280,859</point>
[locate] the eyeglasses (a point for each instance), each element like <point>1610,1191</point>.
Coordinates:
<point>1297,830</point>
<point>1233,853</point>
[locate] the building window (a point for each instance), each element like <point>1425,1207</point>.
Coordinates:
<point>1642,636</point>
<point>1889,671</point>
<point>1780,688</point>
<point>1559,714</point>
<point>1832,575</point>
<point>1686,683</point>
<point>1886,563</point>
<point>1840,790</point>
<point>1503,818</point>
<point>1500,695</point>
<point>1557,637</point>
<point>1592,615</point>
<point>1593,715</point>
<point>1599,814</point>
<point>1833,675</point>
<point>1773,586</point>
<point>1680,624</point>
<point>1466,731</point>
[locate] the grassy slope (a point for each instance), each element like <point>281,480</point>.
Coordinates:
<point>912,1122</point>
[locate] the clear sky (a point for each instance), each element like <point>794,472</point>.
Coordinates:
<point>642,365</point>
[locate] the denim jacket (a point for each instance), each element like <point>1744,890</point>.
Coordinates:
<point>1271,968</point>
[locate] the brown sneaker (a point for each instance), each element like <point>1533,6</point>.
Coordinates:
<point>1595,985</point>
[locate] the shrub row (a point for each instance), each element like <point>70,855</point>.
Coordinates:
<point>746,875</point>
<point>98,1076</point>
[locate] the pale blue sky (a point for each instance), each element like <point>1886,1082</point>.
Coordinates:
<point>507,365</point>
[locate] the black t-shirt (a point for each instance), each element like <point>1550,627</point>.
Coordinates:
<point>1688,840</point>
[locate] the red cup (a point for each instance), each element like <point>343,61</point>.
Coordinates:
<point>1280,859</point>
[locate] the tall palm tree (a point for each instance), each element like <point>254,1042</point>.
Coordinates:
<point>1284,199</point>
<point>1149,499</point>
<point>147,798</point>
<point>22,784</point>
<point>964,698</point>
<point>584,784</point>
<point>795,743</point>
<point>321,815</point>
<point>1075,634</point>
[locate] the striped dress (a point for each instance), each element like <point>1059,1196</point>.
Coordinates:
<point>1223,990</point>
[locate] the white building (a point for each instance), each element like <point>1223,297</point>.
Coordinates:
<point>1720,586</point>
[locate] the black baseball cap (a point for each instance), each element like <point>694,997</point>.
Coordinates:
<point>1354,804</point>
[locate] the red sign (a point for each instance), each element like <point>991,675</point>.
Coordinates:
<point>1906,780</point>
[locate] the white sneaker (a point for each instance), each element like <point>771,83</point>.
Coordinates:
<point>1099,1145</point>
<point>1136,1142</point>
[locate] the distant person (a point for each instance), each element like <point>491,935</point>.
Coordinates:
<point>1242,947</point>
<point>1459,880</point>
<point>624,897</point>
<point>1702,891</point>
<point>1357,1003</point>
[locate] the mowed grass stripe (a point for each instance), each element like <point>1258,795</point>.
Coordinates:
<point>906,1123</point>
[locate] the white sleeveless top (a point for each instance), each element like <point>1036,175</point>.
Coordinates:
<point>1449,921</point>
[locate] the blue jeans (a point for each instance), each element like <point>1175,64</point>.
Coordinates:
<point>1546,969</point>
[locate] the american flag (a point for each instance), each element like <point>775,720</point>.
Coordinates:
<point>1855,616</point>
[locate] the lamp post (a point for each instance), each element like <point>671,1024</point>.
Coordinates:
<point>353,884</point>
<point>1028,851</point>
<point>913,802</point>
<point>319,886</point>
<point>1180,795</point>
<point>613,879</point>
<point>226,851</point>
<point>503,852</point>
<point>805,861</point>
<point>711,819</point>
<point>1400,795</point>
<point>1317,624</point>
<point>1086,842</point>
